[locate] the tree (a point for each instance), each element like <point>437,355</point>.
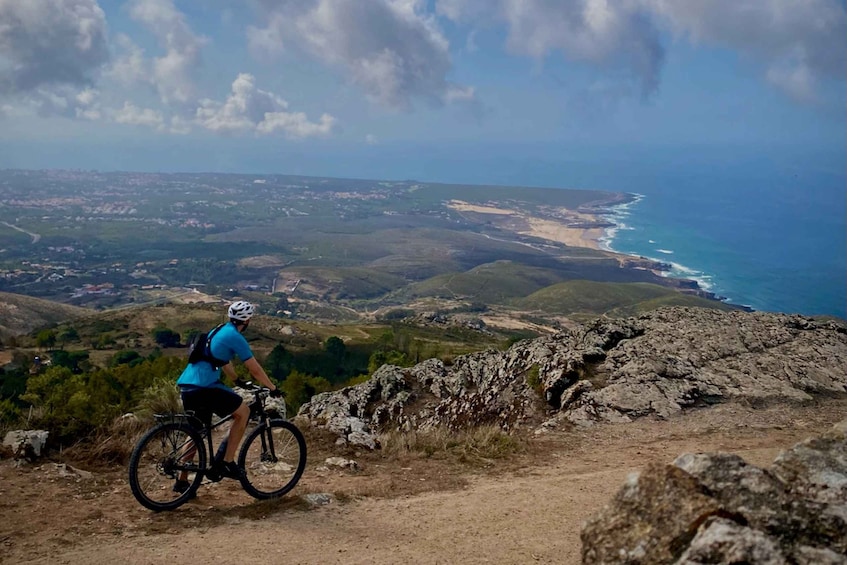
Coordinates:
<point>393,357</point>
<point>299,389</point>
<point>126,357</point>
<point>67,334</point>
<point>279,363</point>
<point>76,361</point>
<point>166,337</point>
<point>45,339</point>
<point>335,347</point>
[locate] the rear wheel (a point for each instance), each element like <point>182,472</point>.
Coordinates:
<point>157,461</point>
<point>273,458</point>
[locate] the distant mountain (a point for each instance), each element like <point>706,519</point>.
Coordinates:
<point>21,314</point>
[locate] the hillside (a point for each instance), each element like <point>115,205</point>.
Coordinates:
<point>20,314</point>
<point>590,298</point>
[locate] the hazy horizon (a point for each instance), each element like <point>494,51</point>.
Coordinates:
<point>443,91</point>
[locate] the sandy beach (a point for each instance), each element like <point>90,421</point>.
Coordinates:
<point>559,230</point>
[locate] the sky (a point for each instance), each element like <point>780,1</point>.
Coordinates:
<point>501,91</point>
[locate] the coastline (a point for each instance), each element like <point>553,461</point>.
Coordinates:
<point>574,228</point>
<point>592,226</point>
<point>694,280</point>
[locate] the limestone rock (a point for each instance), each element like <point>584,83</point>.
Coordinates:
<point>341,463</point>
<point>716,508</point>
<point>657,365</point>
<point>653,516</point>
<point>724,541</point>
<point>26,444</point>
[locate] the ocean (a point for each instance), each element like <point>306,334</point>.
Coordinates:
<point>763,225</point>
<point>773,241</point>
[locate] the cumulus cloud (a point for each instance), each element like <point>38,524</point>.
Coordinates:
<point>172,72</point>
<point>392,49</point>
<point>251,109</point>
<point>131,114</point>
<point>130,67</point>
<point>597,32</point>
<point>88,104</point>
<point>799,42</point>
<point>50,42</point>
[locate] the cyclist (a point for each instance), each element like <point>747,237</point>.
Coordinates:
<point>203,392</point>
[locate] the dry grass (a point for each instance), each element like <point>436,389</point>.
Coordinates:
<point>162,397</point>
<point>476,446</point>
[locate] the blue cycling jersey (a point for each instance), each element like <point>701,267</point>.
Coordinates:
<point>226,344</point>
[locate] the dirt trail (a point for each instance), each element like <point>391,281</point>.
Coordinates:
<point>520,512</point>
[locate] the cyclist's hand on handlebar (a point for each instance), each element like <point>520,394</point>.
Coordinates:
<point>275,393</point>
<point>241,383</point>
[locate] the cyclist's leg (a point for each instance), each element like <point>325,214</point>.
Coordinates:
<point>194,402</point>
<point>240,417</point>
<point>224,402</point>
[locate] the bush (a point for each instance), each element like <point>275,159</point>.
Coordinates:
<point>161,397</point>
<point>72,405</point>
<point>126,357</point>
<point>396,314</point>
<point>299,388</point>
<point>166,337</point>
<point>10,414</point>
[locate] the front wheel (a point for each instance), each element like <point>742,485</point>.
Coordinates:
<point>157,461</point>
<point>273,458</point>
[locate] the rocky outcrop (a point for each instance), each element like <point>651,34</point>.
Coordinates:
<point>25,444</point>
<point>716,508</point>
<point>609,371</point>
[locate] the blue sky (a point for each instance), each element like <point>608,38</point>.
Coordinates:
<point>507,91</point>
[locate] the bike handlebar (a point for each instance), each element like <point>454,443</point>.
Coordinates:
<point>251,386</point>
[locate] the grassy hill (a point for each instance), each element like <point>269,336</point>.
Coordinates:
<point>21,314</point>
<point>590,298</point>
<point>490,283</point>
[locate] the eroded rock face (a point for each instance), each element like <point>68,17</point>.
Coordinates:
<point>716,508</point>
<point>609,371</point>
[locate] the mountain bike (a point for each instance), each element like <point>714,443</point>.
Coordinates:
<point>272,456</point>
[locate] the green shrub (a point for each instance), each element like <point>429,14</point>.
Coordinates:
<point>299,388</point>
<point>10,414</point>
<point>533,378</point>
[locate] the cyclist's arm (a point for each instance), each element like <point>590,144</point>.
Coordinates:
<point>257,373</point>
<point>229,370</point>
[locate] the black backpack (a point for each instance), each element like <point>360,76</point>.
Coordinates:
<point>199,349</point>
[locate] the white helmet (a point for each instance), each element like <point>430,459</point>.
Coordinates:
<point>241,311</point>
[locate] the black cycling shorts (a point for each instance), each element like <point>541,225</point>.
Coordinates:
<point>205,401</point>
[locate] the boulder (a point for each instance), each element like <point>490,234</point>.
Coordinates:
<point>26,444</point>
<point>716,508</point>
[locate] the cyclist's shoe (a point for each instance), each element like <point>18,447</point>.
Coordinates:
<point>182,486</point>
<point>231,470</point>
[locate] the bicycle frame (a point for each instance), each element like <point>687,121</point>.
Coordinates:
<point>271,460</point>
<point>257,410</point>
